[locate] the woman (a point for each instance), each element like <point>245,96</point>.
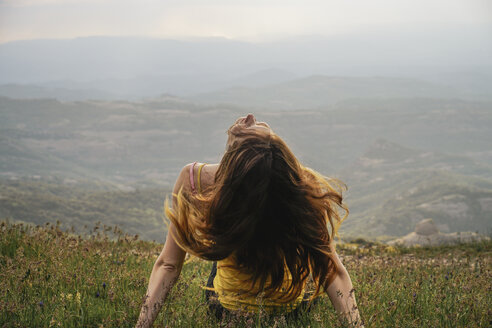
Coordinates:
<point>263,218</point>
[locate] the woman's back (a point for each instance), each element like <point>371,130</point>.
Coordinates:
<point>264,219</point>
<point>264,208</point>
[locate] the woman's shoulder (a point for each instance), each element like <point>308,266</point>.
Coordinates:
<point>190,171</point>
<point>183,180</point>
<point>208,174</point>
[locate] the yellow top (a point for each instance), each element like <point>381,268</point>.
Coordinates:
<point>198,178</point>
<point>231,286</point>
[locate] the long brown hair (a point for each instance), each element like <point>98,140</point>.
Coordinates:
<point>267,211</point>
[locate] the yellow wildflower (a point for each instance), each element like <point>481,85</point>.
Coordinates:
<point>391,249</point>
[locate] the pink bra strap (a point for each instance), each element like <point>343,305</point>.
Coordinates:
<point>192,177</point>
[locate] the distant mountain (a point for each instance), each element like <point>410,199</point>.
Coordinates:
<point>150,85</point>
<point>137,87</point>
<point>392,187</point>
<point>317,91</point>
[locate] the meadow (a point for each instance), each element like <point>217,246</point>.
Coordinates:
<point>51,278</point>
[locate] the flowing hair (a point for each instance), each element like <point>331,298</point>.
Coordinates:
<point>267,211</point>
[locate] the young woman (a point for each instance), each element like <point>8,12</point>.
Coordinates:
<point>263,219</point>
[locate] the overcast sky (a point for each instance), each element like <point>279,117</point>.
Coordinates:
<point>249,20</point>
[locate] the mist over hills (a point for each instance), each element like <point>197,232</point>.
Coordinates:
<point>19,91</point>
<point>132,67</point>
<point>317,91</point>
<point>137,87</point>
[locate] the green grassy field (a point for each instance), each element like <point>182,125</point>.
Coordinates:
<point>51,278</point>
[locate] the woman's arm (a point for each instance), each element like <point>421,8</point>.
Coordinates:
<point>165,272</point>
<point>342,295</point>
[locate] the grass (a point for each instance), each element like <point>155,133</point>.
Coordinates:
<point>49,278</point>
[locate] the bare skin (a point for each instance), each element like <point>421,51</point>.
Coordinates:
<point>167,267</point>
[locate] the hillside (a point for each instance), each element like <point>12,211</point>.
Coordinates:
<point>392,187</point>
<point>52,278</point>
<point>19,157</point>
<point>79,205</point>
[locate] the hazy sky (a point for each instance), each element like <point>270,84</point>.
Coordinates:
<point>250,20</point>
